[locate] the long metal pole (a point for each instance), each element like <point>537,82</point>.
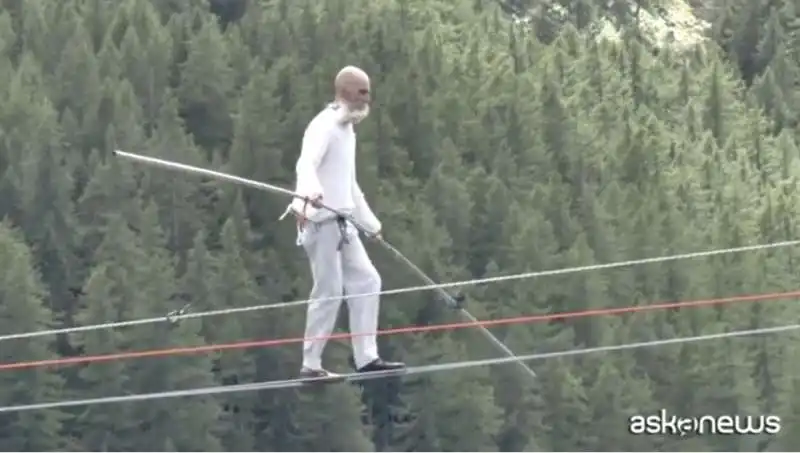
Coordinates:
<point>446,297</point>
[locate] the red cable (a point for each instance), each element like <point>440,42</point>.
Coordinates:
<point>409,329</point>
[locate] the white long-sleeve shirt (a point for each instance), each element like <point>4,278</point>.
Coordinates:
<point>327,166</point>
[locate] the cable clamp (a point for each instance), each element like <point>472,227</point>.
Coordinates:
<point>171,316</point>
<point>456,301</point>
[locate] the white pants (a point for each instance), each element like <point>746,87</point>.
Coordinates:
<point>337,273</point>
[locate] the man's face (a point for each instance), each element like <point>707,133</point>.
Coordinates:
<point>357,95</point>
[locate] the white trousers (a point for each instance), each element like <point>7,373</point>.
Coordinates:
<point>336,274</point>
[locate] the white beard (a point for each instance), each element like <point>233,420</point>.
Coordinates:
<point>356,116</point>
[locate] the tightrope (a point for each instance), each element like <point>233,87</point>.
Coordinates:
<point>424,369</point>
<point>472,282</point>
<point>412,329</point>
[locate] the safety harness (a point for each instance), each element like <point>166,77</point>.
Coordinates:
<point>302,221</point>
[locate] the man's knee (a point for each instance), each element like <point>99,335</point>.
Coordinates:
<point>366,280</point>
<point>327,273</point>
<point>327,283</point>
<point>374,281</point>
<point>328,287</point>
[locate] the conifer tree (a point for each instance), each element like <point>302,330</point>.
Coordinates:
<point>24,309</point>
<point>496,144</point>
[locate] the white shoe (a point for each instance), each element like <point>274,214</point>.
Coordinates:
<point>319,374</point>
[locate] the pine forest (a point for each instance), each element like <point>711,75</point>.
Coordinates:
<point>501,141</point>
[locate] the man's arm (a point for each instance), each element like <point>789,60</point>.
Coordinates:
<point>315,145</point>
<point>363,214</point>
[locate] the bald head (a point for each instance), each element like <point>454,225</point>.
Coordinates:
<point>353,92</point>
<point>350,76</point>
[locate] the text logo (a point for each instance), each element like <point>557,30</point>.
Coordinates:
<point>663,423</point>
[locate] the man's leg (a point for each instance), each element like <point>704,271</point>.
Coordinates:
<point>320,243</point>
<point>360,277</point>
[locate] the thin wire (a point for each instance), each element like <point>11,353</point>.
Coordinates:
<point>424,369</point>
<point>471,282</point>
<point>399,330</point>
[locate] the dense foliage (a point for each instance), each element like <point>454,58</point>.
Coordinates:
<point>488,152</point>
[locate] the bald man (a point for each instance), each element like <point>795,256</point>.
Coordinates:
<point>326,172</point>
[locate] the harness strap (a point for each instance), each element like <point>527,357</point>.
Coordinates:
<point>303,217</point>
<point>342,222</point>
<point>300,220</point>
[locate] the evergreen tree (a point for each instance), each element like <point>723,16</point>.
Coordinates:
<point>103,427</point>
<point>24,310</point>
<point>498,143</point>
